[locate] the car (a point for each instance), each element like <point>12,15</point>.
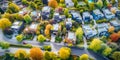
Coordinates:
<point>97,14</point>
<point>69,3</point>
<point>76,16</point>
<point>46,12</point>
<point>57,17</point>
<point>89,32</point>
<point>87,17</point>
<point>103,29</point>
<point>116,25</point>
<point>108,15</point>
<point>68,23</point>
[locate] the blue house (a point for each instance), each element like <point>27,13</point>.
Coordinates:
<point>97,14</point>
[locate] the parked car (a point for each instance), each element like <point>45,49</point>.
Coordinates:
<point>87,17</point>
<point>57,17</point>
<point>76,16</point>
<point>116,25</point>
<point>108,15</point>
<point>17,26</point>
<point>89,32</point>
<point>69,3</point>
<point>46,12</point>
<point>68,24</point>
<point>102,29</point>
<point>97,14</point>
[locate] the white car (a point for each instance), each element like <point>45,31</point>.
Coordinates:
<point>109,15</point>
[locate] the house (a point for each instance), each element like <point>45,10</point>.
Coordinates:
<point>116,25</point>
<point>87,17</point>
<point>56,27</point>
<point>108,15</point>
<point>69,3</point>
<point>71,38</point>
<point>89,32</point>
<point>76,16</point>
<point>46,12</point>
<point>97,14</point>
<point>68,23</point>
<point>103,29</point>
<point>17,26</point>
<point>35,15</point>
<point>32,28</point>
<point>57,17</point>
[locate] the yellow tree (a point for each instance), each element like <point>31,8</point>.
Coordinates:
<point>64,53</point>
<point>21,54</point>
<point>53,3</point>
<point>91,6</point>
<point>95,45</point>
<point>107,51</point>
<point>84,57</point>
<point>4,23</point>
<point>111,29</point>
<point>36,54</point>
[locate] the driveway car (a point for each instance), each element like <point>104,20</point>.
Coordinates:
<point>89,32</point>
<point>108,15</point>
<point>103,29</point>
<point>69,3</point>
<point>116,25</point>
<point>97,14</point>
<point>46,12</point>
<point>76,16</point>
<point>87,17</point>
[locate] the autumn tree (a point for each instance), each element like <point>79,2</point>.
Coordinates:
<point>114,37</point>
<point>41,38</point>
<point>4,23</point>
<point>53,3</point>
<point>64,53</point>
<point>66,12</point>
<point>36,53</point>
<point>99,4</point>
<point>27,18</point>
<point>47,30</point>
<point>12,8</point>
<point>111,29</point>
<point>19,38</point>
<point>116,55</point>
<point>21,54</point>
<point>84,57</point>
<point>95,45</point>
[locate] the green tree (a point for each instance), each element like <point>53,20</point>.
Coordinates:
<point>41,38</point>
<point>33,5</point>
<point>116,55</point>
<point>27,18</point>
<point>91,6</point>
<point>95,45</point>
<point>79,34</point>
<point>107,51</point>
<point>4,45</point>
<point>99,4</point>
<point>113,45</point>
<point>25,2</point>
<point>12,8</point>
<point>19,38</point>
<point>84,57</point>
<point>64,53</point>
<point>66,12</point>
<point>47,55</point>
